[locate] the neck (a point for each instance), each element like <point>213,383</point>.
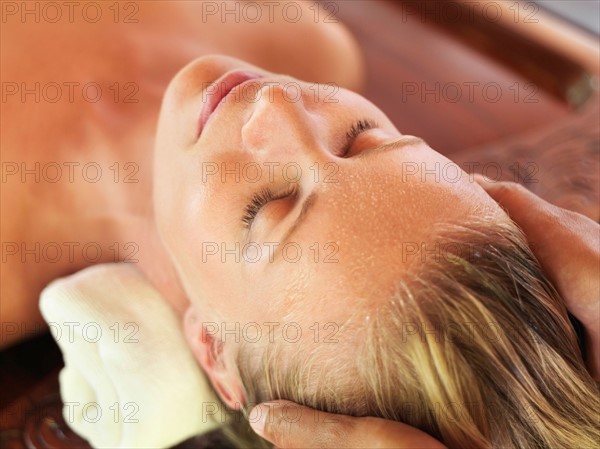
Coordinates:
<point>140,245</point>
<point>131,214</point>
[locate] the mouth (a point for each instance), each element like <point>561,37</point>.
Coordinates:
<point>216,93</point>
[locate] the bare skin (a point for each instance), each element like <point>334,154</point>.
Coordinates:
<point>64,217</point>
<point>560,239</point>
<point>108,211</point>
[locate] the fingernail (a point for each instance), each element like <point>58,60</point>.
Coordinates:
<point>258,418</point>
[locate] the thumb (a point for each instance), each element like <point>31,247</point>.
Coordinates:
<point>523,206</point>
<point>288,425</point>
<point>566,243</point>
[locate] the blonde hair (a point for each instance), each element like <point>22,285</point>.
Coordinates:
<point>475,348</point>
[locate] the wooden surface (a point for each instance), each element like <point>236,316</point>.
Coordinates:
<point>538,123</point>
<point>406,49</point>
<point>31,408</point>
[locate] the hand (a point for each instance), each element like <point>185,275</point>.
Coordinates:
<point>289,425</point>
<point>567,245</point>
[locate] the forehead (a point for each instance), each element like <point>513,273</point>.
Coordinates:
<point>397,193</point>
<point>362,231</point>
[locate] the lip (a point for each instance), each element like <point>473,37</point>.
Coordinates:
<point>215,93</point>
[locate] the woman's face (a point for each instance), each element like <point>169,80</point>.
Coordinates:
<point>266,215</point>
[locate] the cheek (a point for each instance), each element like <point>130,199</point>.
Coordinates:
<point>170,203</point>
<point>209,287</point>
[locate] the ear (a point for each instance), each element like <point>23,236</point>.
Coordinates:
<point>209,352</point>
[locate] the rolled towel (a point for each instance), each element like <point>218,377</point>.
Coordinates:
<point>130,380</point>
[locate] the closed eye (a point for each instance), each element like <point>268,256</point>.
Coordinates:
<point>266,195</point>
<point>261,198</point>
<point>355,130</point>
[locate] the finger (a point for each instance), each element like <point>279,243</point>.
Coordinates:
<point>542,223</point>
<point>523,206</point>
<point>565,242</point>
<point>288,425</point>
<point>528,209</point>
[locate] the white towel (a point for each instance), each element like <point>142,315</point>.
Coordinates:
<point>130,380</point>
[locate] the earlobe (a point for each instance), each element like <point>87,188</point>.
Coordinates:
<point>209,352</point>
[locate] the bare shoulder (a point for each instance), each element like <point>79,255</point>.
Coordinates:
<point>298,38</point>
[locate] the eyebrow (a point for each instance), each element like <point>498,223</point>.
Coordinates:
<point>310,201</point>
<point>403,141</point>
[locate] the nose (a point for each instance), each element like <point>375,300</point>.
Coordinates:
<point>281,127</point>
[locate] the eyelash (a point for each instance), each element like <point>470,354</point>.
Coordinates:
<point>266,195</point>
<point>262,197</point>
<point>356,129</point>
